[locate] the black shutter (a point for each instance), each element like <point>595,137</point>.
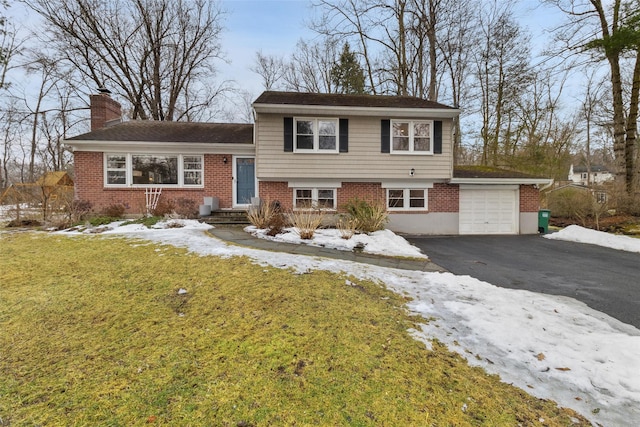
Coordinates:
<point>344,135</point>
<point>437,137</point>
<point>288,134</point>
<point>385,136</point>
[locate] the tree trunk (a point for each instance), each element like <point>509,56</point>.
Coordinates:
<point>632,128</point>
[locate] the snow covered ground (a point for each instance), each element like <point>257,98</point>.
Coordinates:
<point>575,233</point>
<point>552,347</point>
<point>383,242</point>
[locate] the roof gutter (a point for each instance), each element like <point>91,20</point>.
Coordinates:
<point>160,147</point>
<point>543,183</point>
<point>334,110</point>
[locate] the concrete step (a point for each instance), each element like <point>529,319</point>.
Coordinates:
<point>226,217</point>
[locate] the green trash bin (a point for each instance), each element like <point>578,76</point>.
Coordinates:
<point>543,220</point>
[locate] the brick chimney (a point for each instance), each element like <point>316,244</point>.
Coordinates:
<point>104,109</point>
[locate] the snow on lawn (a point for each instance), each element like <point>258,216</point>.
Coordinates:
<point>382,242</point>
<point>575,233</point>
<point>552,347</point>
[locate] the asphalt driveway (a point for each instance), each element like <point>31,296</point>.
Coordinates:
<point>606,280</point>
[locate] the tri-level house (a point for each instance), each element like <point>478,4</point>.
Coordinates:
<point>308,151</point>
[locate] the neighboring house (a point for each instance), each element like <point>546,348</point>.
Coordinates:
<point>599,174</point>
<point>309,150</point>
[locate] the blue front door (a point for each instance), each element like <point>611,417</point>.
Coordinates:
<point>245,180</point>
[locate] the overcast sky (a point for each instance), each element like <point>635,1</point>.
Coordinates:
<point>275,26</point>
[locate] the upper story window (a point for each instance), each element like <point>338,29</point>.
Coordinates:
<point>412,136</point>
<point>316,135</point>
<point>175,170</point>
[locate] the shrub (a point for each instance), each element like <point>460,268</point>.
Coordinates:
<point>576,204</point>
<point>306,222</point>
<point>147,221</point>
<point>102,220</point>
<point>164,207</point>
<point>78,209</point>
<point>186,208</point>
<point>115,210</point>
<point>367,216</point>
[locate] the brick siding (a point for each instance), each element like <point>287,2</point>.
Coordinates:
<point>103,110</point>
<point>529,198</point>
<point>442,197</point>
<point>89,171</point>
<point>276,191</point>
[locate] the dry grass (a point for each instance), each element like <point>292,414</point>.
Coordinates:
<point>347,227</point>
<point>261,215</point>
<point>94,332</point>
<point>306,222</point>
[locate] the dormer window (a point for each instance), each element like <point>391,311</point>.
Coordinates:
<point>316,135</point>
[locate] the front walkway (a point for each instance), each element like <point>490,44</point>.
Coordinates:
<point>236,235</point>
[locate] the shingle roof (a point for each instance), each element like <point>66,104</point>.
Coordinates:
<point>154,131</point>
<point>332,99</point>
<point>487,172</point>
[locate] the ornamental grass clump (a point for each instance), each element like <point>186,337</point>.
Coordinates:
<point>306,222</point>
<point>369,216</point>
<point>268,215</point>
<point>346,226</point>
<point>261,215</point>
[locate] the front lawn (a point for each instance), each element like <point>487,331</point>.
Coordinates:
<point>96,331</point>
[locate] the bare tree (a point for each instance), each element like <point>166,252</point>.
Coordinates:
<point>9,48</point>
<point>397,41</point>
<point>611,31</point>
<point>270,68</point>
<point>309,68</point>
<point>458,31</point>
<point>158,54</point>
<point>588,110</point>
<point>502,67</point>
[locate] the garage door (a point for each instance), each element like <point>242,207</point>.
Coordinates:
<point>489,210</point>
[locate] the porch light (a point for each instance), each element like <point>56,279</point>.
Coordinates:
<point>412,172</point>
<point>224,160</point>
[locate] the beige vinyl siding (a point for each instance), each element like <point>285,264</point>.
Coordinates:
<point>363,162</point>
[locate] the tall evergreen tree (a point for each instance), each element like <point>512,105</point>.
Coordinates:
<point>347,74</point>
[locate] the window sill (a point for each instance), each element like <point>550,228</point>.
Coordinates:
<point>315,152</point>
<point>143,187</point>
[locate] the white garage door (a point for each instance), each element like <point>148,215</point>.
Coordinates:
<point>489,210</point>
